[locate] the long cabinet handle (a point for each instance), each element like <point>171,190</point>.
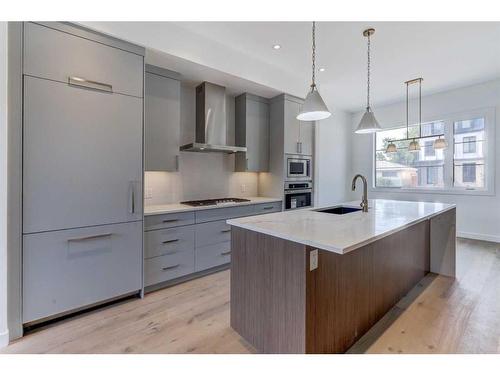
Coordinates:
<point>170,267</point>
<point>94,85</point>
<point>225,230</point>
<point>92,237</point>
<point>131,204</point>
<point>226,252</point>
<point>268,208</point>
<point>170,241</point>
<point>170,220</point>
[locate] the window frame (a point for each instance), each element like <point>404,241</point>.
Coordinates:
<point>488,114</point>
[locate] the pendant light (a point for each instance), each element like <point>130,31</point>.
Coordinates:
<point>391,148</point>
<point>314,108</point>
<point>414,145</point>
<point>440,144</point>
<point>368,123</point>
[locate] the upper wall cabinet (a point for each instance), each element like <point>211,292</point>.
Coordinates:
<point>299,135</point>
<point>252,132</point>
<point>74,58</point>
<point>162,119</point>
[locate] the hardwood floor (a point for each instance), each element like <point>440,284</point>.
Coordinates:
<point>438,316</point>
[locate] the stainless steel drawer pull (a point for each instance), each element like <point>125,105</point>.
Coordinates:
<point>268,208</point>
<point>226,252</point>
<point>170,241</point>
<point>94,85</point>
<point>226,230</point>
<point>170,220</point>
<point>93,237</point>
<point>170,267</point>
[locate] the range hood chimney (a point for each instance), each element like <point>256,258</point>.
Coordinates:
<point>211,125</point>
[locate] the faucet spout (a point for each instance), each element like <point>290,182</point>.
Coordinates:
<point>364,199</point>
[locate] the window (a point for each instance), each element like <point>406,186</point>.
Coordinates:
<point>465,164</point>
<point>469,173</point>
<point>469,156</point>
<point>432,175</point>
<point>469,144</point>
<point>429,149</point>
<point>404,169</point>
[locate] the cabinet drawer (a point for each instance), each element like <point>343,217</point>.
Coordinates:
<point>168,241</point>
<point>212,256</point>
<point>265,208</point>
<point>168,267</point>
<point>212,233</point>
<point>70,269</point>
<point>168,220</point>
<point>223,213</point>
<point>57,55</point>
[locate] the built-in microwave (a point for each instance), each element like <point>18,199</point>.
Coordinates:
<point>298,167</point>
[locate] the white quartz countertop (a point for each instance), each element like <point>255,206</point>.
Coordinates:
<point>342,233</point>
<point>178,207</point>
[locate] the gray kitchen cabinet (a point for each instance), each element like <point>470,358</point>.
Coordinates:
<point>65,270</point>
<point>82,157</point>
<point>176,219</point>
<point>162,119</point>
<point>56,55</point>
<point>168,241</point>
<point>252,132</point>
<point>202,233</point>
<point>298,135</point>
<point>168,267</point>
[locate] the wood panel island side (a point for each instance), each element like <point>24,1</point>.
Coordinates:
<point>311,282</point>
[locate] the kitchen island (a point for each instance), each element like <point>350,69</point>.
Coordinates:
<point>306,281</point>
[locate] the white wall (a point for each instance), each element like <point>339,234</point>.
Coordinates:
<point>4,333</point>
<point>201,175</point>
<point>477,216</point>
<point>333,162</point>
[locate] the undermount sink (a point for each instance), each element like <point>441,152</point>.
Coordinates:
<point>340,210</point>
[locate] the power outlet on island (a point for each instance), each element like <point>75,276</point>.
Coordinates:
<point>313,260</point>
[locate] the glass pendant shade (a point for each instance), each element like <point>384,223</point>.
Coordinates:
<point>314,108</point>
<point>439,144</point>
<point>368,123</point>
<point>391,148</point>
<point>414,146</point>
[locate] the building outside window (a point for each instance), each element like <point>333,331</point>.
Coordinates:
<point>463,166</point>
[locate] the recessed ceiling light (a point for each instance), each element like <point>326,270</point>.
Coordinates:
<point>322,69</point>
<point>276,46</point>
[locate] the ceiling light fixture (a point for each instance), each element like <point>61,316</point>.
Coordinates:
<point>391,148</point>
<point>414,145</point>
<point>440,144</point>
<point>368,123</point>
<point>314,108</point>
<point>322,69</point>
<point>276,46</point>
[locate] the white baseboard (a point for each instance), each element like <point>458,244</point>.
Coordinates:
<point>479,236</point>
<point>4,339</point>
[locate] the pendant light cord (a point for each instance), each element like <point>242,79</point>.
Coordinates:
<point>368,74</point>
<point>407,119</point>
<point>313,85</point>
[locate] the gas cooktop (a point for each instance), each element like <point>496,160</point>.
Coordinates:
<point>215,202</point>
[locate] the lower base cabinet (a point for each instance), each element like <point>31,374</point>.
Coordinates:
<point>212,256</point>
<point>70,269</point>
<point>184,243</point>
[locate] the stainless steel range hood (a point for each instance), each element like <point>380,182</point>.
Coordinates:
<point>211,125</point>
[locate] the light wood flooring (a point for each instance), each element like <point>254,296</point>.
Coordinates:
<point>440,315</point>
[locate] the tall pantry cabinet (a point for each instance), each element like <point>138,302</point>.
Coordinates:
<point>82,169</point>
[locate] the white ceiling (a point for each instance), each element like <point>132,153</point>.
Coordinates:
<point>446,54</point>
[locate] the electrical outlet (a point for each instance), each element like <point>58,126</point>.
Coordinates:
<point>149,193</point>
<point>243,188</point>
<point>313,259</point>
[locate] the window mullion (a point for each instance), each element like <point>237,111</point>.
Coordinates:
<point>449,154</point>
